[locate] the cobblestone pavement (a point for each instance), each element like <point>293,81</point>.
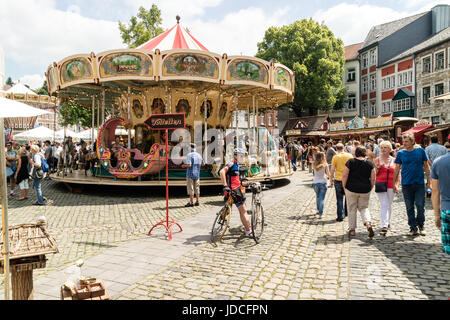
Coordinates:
<point>300,257</point>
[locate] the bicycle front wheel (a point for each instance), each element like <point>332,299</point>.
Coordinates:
<point>221,224</point>
<point>257,222</point>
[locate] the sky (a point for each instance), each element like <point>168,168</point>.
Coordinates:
<point>35,33</point>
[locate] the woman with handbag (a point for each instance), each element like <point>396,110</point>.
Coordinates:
<point>37,174</point>
<point>358,180</point>
<point>385,166</point>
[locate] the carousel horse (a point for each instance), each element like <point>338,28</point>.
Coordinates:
<point>66,157</point>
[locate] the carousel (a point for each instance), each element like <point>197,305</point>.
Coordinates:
<point>172,74</point>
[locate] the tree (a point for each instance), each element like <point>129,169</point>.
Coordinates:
<point>42,90</point>
<point>9,82</point>
<point>70,113</point>
<point>317,58</point>
<point>143,27</point>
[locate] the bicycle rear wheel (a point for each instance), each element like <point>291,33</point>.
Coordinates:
<point>257,222</point>
<point>220,224</point>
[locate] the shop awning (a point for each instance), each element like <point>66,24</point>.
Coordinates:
<point>349,133</point>
<point>418,130</point>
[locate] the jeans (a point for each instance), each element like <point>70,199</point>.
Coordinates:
<point>321,191</point>
<point>294,163</point>
<point>341,206</point>
<point>414,194</point>
<point>38,189</point>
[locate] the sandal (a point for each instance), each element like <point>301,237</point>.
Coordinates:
<point>370,230</point>
<point>351,233</point>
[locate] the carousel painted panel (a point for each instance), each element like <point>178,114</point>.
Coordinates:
<point>52,79</point>
<point>190,65</point>
<point>125,64</point>
<point>247,71</point>
<point>283,78</point>
<point>76,70</point>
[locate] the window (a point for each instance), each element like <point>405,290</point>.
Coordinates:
<point>364,85</point>
<point>438,89</point>
<point>373,82</point>
<point>386,107</point>
<point>351,75</point>
<point>426,65</point>
<point>364,60</point>
<point>351,101</point>
<point>439,59</point>
<point>384,84</point>
<point>403,104</point>
<point>262,120</point>
<point>364,109</point>
<point>435,120</point>
<point>400,80</point>
<point>426,95</point>
<point>373,109</point>
<point>410,77</point>
<point>373,57</point>
<point>393,82</point>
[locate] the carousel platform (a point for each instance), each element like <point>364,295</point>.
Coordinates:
<point>79,178</point>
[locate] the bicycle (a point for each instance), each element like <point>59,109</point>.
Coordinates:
<point>222,220</point>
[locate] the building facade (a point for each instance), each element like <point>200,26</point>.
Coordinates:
<point>433,79</point>
<point>383,74</point>
<point>351,81</point>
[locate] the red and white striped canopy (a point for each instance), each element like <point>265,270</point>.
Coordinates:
<point>175,38</point>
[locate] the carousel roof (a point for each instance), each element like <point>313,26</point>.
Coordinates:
<point>175,38</point>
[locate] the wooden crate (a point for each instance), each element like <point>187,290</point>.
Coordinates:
<point>98,294</point>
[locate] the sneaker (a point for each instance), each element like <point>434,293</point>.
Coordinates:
<point>38,204</point>
<point>249,233</point>
<point>189,205</point>
<point>339,219</point>
<point>413,232</point>
<point>370,230</point>
<point>197,204</point>
<point>422,230</point>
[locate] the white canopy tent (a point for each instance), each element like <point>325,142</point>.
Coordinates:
<point>20,88</point>
<point>86,134</point>
<point>9,109</point>
<point>39,133</point>
<point>59,135</point>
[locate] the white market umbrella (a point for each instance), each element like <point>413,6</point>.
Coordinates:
<point>9,109</point>
<point>59,135</point>
<point>39,133</point>
<point>86,134</point>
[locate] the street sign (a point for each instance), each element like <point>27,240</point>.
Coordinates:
<point>169,121</point>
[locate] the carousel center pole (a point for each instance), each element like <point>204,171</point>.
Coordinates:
<point>5,226</point>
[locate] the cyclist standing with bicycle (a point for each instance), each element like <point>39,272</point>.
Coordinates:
<point>231,180</point>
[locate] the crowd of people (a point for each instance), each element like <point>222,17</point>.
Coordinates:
<point>34,161</point>
<point>354,169</point>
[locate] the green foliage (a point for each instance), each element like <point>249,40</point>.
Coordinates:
<point>70,113</point>
<point>9,82</point>
<point>317,58</point>
<point>42,90</point>
<point>143,27</point>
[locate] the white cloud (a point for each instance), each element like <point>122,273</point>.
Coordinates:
<point>238,32</point>
<point>35,33</point>
<point>171,8</point>
<point>34,81</point>
<point>352,22</point>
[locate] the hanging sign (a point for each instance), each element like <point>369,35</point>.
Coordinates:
<point>169,121</point>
